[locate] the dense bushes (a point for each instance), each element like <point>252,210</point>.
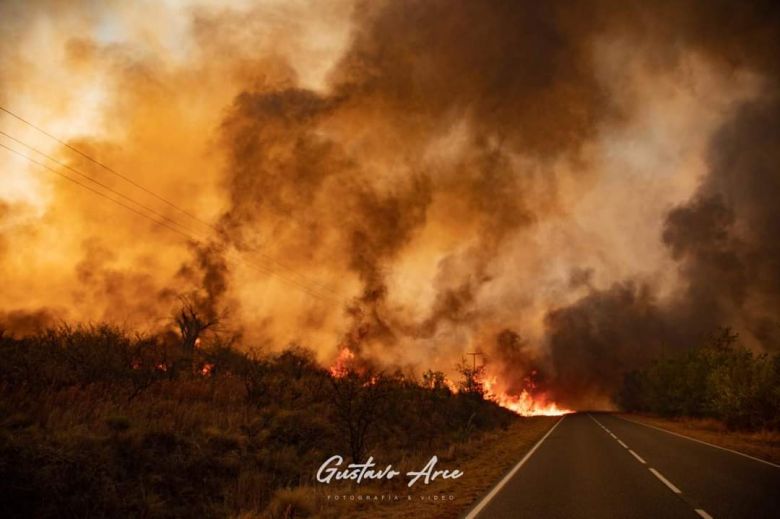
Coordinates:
<point>720,379</point>
<point>96,422</point>
<point>61,357</point>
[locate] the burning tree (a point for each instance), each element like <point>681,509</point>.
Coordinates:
<point>192,324</point>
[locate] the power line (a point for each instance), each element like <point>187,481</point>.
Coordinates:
<point>107,168</point>
<point>261,268</point>
<point>99,193</point>
<point>90,179</point>
<point>111,170</point>
<point>189,237</point>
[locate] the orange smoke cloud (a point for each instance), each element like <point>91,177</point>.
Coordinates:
<point>401,180</point>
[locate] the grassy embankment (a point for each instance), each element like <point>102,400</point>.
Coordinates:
<point>95,422</point>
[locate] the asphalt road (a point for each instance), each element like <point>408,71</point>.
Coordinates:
<point>600,466</point>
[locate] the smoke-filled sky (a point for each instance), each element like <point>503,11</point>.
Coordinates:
<point>573,188</point>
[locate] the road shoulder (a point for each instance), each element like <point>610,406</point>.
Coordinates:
<point>484,463</point>
<point>764,445</point>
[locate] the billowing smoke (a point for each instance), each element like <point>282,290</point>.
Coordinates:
<point>571,188</point>
<point>723,239</point>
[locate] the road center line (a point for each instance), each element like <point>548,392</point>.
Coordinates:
<point>477,509</point>
<point>699,511</point>
<point>665,481</point>
<point>638,457</point>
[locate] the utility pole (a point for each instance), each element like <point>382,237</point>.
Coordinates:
<point>474,359</point>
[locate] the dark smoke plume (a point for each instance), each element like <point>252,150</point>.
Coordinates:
<point>725,240</point>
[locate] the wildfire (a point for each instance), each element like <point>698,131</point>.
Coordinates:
<point>525,404</point>
<point>341,365</point>
<point>528,403</point>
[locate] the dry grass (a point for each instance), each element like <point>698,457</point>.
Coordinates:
<point>253,471</point>
<point>483,462</point>
<point>175,406</point>
<point>761,444</point>
<point>80,439</point>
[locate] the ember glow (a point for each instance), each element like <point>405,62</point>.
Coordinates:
<point>572,194</point>
<point>207,369</point>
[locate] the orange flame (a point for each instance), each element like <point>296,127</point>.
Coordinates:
<point>341,365</point>
<point>525,404</point>
<point>452,386</point>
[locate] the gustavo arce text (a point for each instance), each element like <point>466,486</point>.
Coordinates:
<point>357,472</point>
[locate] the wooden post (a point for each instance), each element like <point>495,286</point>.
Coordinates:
<point>474,360</point>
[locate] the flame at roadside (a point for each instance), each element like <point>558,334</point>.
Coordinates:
<point>525,404</point>
<point>528,402</point>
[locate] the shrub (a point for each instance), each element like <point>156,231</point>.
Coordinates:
<point>290,503</point>
<point>96,422</point>
<point>721,379</point>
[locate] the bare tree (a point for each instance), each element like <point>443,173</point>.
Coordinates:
<point>192,324</point>
<point>357,399</point>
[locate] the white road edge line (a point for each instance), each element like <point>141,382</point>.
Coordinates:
<point>638,457</point>
<point>702,442</point>
<point>665,481</point>
<point>702,513</point>
<point>477,509</point>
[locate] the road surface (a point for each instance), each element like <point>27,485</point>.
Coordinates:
<point>600,466</point>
